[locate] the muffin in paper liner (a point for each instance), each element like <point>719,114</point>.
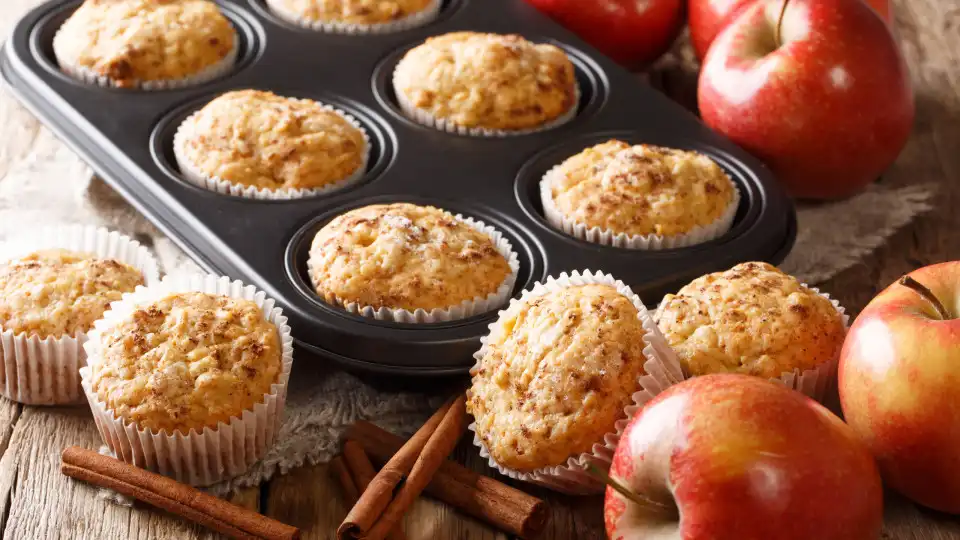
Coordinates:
<point>217,453</point>
<point>45,371</point>
<point>426,119</point>
<point>211,72</point>
<point>814,383</point>
<point>662,371</point>
<point>413,20</point>
<point>464,309</point>
<point>200,179</point>
<point>607,237</point>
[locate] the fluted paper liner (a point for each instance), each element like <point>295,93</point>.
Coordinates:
<point>191,173</point>
<point>608,237</point>
<point>39,371</point>
<point>464,309</point>
<point>424,118</point>
<point>219,452</point>
<point>218,68</point>
<point>662,371</point>
<point>413,20</point>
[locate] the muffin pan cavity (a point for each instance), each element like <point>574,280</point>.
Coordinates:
<point>448,8</point>
<point>51,16</point>
<point>591,81</point>
<point>382,138</point>
<point>127,137</point>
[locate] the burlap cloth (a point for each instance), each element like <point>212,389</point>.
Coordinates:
<point>323,400</point>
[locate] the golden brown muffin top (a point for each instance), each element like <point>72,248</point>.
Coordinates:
<point>58,292</point>
<point>134,41</point>
<point>556,374</point>
<point>363,12</point>
<point>404,256</point>
<point>187,361</point>
<point>751,319</point>
<point>488,81</point>
<point>641,189</point>
<point>260,139</point>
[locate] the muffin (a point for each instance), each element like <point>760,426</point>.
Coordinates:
<point>199,360</point>
<point>260,145</point>
<point>486,84</point>
<point>752,319</point>
<point>409,263</point>
<point>356,16</point>
<point>55,284</point>
<point>559,374</point>
<point>639,197</point>
<point>150,44</point>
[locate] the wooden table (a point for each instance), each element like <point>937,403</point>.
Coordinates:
<point>37,502</point>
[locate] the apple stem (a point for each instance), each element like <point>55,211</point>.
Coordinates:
<point>636,498</point>
<point>925,292</point>
<point>778,36</point>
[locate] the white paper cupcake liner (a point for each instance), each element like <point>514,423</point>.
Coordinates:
<point>217,453</point>
<point>420,18</point>
<point>607,237</point>
<point>426,119</point>
<point>191,173</point>
<point>465,309</point>
<point>88,76</point>
<point>39,371</point>
<point>662,371</point>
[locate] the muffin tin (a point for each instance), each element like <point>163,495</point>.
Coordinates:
<point>126,136</point>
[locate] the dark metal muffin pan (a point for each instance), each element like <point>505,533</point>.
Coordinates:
<point>125,135</point>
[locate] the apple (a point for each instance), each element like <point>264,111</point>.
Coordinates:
<point>735,457</point>
<point>708,17</point>
<point>899,384</point>
<point>817,89</point>
<point>633,33</point>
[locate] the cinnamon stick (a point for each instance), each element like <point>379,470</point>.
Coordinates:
<point>172,496</point>
<point>487,499</point>
<point>434,453</point>
<point>340,473</point>
<point>362,473</point>
<point>374,500</point>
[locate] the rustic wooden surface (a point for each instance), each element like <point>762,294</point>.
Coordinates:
<point>37,502</point>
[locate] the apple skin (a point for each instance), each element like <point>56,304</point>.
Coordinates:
<point>899,382</point>
<point>633,33</point>
<point>828,111</point>
<point>708,17</point>
<point>743,458</point>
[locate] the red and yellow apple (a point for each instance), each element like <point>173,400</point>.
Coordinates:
<point>708,17</point>
<point>900,384</point>
<point>735,457</point>
<point>822,94</point>
<point>634,33</point>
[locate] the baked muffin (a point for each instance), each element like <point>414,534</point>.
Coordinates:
<point>186,362</point>
<point>387,259</point>
<point>751,319</point>
<point>146,43</point>
<point>637,196</point>
<point>555,375</point>
<point>56,292</point>
<point>490,84</point>
<point>258,144</point>
<point>357,16</point>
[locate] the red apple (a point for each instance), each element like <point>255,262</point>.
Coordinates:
<point>708,17</point>
<point>823,97</point>
<point>735,457</point>
<point>900,384</point>
<point>632,32</point>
